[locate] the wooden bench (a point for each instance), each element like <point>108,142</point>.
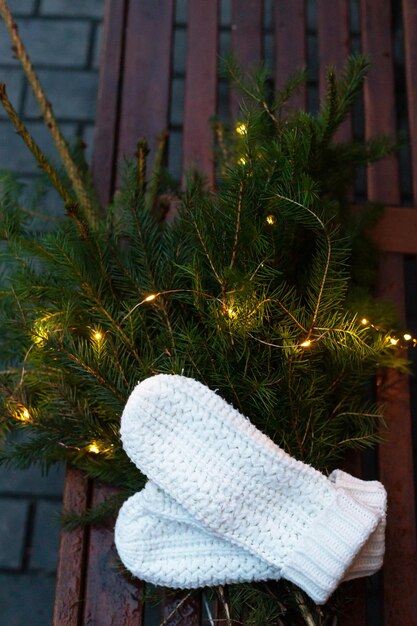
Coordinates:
<point>134,101</point>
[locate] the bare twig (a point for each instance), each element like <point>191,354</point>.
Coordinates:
<point>222,596</point>
<point>33,146</point>
<point>152,190</point>
<point>238,214</point>
<point>175,609</point>
<point>70,166</point>
<point>142,153</point>
<point>304,610</point>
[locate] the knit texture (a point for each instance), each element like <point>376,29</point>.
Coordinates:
<point>161,542</point>
<point>242,487</point>
<point>373,495</point>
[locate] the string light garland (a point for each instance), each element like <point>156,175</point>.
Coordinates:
<point>233,314</point>
<point>271,220</point>
<point>93,448</point>
<point>97,335</point>
<point>392,339</point>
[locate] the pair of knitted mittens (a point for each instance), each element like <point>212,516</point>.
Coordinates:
<point>224,504</point>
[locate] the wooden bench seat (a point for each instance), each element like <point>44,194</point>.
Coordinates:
<point>136,84</point>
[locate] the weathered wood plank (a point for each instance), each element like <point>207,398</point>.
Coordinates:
<point>397,230</point>
<point>247,40</point>
<point>355,607</point>
<point>110,598</point>
<point>200,86</point>
<point>71,556</point>
<point>333,36</point>
<point>333,47</point>
<point>410,48</point>
<point>146,73</point>
<point>379,99</point>
<point>108,99</point>
<point>400,569</point>
<point>290,45</point>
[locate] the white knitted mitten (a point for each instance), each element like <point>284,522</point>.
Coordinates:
<point>159,541</point>
<point>239,484</point>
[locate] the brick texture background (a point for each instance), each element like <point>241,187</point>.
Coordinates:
<point>63,40</point>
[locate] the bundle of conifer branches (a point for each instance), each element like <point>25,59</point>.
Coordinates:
<point>257,289</point>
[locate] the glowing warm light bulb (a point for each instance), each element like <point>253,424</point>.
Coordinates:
<point>98,335</point>
<point>22,414</point>
<point>231,313</point>
<point>241,129</point>
<point>364,321</point>
<point>271,219</point>
<point>393,341</point>
<point>306,343</point>
<point>151,297</point>
<point>407,337</point>
<point>242,161</point>
<point>93,447</point>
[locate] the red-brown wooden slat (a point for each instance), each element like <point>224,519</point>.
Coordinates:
<point>410,48</point>
<point>247,39</point>
<point>200,86</point>
<point>355,608</point>
<point>110,598</point>
<point>290,44</point>
<point>108,99</point>
<point>397,230</point>
<point>333,36</point>
<point>333,47</point>
<point>146,73</point>
<point>72,550</point>
<point>333,50</point>
<point>395,457</point>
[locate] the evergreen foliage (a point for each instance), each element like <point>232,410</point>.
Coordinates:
<point>259,293</point>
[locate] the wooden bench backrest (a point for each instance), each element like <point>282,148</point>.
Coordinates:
<point>134,101</point>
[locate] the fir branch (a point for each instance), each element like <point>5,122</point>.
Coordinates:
<point>95,515</point>
<point>327,262</point>
<point>234,74</point>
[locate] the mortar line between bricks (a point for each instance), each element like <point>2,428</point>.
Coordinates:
<point>37,8</point>
<point>23,97</point>
<point>30,496</point>
<point>91,46</point>
<point>27,543</point>
<point>53,68</point>
<point>61,120</point>
<point>28,573</point>
<point>56,18</point>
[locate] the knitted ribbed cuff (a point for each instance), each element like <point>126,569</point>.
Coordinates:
<point>372,495</point>
<point>326,550</point>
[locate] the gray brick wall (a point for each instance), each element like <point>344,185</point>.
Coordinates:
<point>63,39</point>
